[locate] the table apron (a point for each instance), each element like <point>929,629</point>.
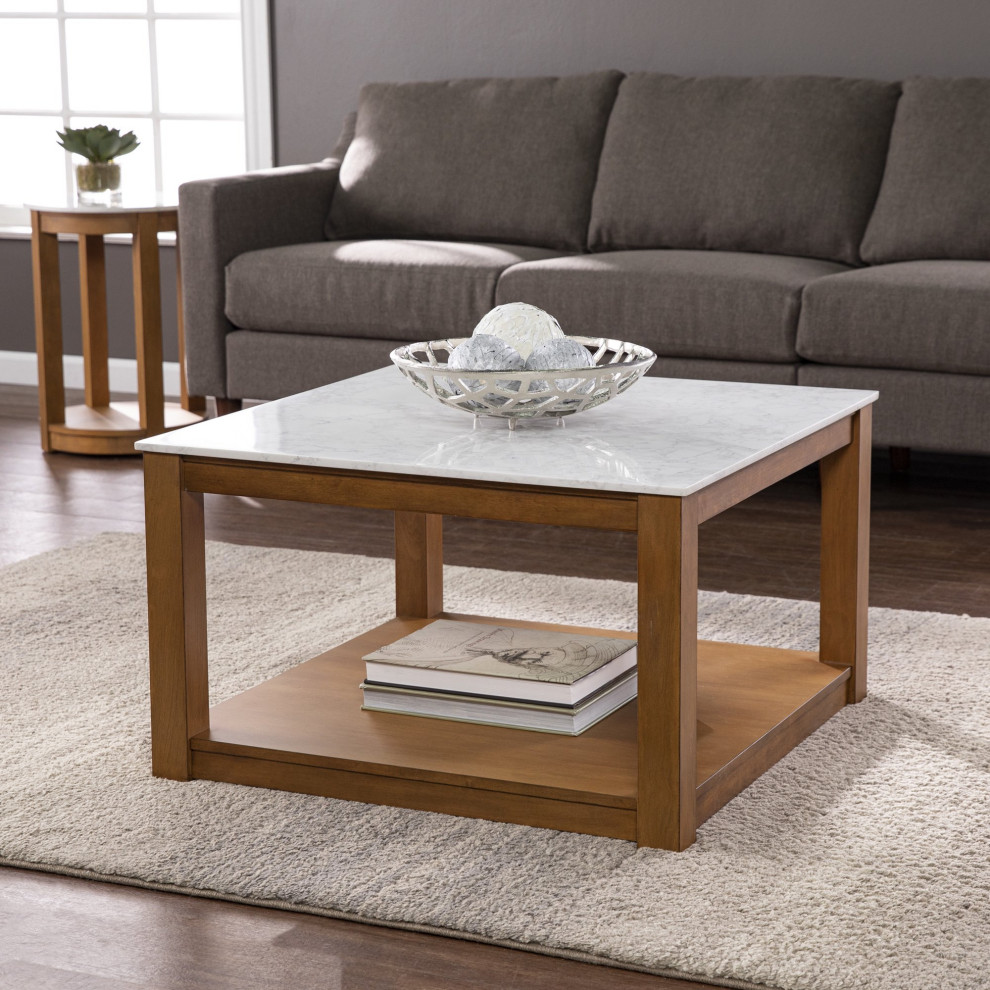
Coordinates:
<point>408,494</point>
<point>737,487</point>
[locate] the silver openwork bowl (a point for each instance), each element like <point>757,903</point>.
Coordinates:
<point>617,366</point>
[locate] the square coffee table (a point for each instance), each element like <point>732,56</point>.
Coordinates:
<point>657,461</point>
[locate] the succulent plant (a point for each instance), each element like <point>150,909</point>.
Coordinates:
<point>99,143</point>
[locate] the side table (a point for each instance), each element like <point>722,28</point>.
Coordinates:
<point>101,426</point>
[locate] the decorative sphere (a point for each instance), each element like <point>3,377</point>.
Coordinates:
<point>522,326</point>
<point>559,355</point>
<point>485,352</point>
<point>482,352</point>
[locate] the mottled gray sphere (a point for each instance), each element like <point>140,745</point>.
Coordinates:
<point>561,354</point>
<point>484,352</point>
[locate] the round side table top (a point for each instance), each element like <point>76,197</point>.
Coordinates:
<point>135,204</point>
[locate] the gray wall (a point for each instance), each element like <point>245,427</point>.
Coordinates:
<point>17,309</point>
<point>325,49</point>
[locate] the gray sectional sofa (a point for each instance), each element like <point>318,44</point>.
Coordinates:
<point>807,230</point>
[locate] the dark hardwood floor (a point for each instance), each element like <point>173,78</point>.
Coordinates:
<point>930,550</point>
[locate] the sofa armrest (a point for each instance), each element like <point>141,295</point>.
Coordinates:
<point>222,218</point>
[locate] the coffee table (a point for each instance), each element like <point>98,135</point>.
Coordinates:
<point>657,461</point>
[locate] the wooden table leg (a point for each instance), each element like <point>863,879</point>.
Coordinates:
<point>845,554</point>
<point>418,565</point>
<point>666,806</point>
<point>93,297</point>
<point>148,324</point>
<point>48,328</point>
<point>192,403</point>
<point>176,615</point>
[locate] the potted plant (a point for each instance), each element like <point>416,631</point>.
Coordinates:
<point>98,179</point>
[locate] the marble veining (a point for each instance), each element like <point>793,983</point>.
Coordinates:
<point>127,204</point>
<point>665,436</point>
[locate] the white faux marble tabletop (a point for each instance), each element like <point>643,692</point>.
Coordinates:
<point>128,204</point>
<point>665,436</point>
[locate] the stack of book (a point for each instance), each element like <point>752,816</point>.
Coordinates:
<point>502,675</point>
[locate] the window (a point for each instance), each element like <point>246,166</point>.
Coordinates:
<point>190,77</point>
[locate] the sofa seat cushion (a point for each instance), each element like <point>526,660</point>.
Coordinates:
<point>405,290</point>
<point>778,164</point>
<point>698,304</point>
<point>510,160</point>
<point>923,315</point>
<point>272,365</point>
<point>935,198</point>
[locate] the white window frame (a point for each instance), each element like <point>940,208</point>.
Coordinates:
<point>258,124</point>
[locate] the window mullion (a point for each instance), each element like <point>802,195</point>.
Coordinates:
<point>63,57</point>
<point>156,123</point>
<point>258,131</point>
<point>256,116</point>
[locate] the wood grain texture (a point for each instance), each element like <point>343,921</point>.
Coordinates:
<point>666,732</point>
<point>148,323</point>
<point>668,676</point>
<point>310,717</point>
<point>63,933</point>
<point>418,564</point>
<point>100,427</point>
<point>192,403</point>
<point>845,554</point>
<point>176,616</point>
<point>743,484</point>
<point>48,327</point>
<point>311,714</point>
<point>738,773</point>
<point>467,802</point>
<point>112,429</point>
<point>518,503</point>
<point>116,222</point>
<point>93,308</point>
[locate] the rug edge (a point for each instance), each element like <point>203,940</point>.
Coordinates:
<point>573,955</point>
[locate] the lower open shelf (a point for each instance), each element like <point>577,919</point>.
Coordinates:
<point>111,429</point>
<point>304,731</point>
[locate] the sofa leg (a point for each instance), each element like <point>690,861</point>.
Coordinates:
<point>224,406</point>
<point>900,460</point>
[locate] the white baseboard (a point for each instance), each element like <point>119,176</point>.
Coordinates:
<point>21,368</point>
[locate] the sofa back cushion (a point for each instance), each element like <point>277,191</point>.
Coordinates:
<point>777,164</point>
<point>510,160</point>
<point>934,201</point>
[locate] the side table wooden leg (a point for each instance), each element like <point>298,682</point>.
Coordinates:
<point>666,806</point>
<point>148,324</point>
<point>191,403</point>
<point>48,328</point>
<point>176,615</point>
<point>845,554</point>
<point>93,297</point>
<point>418,565</point>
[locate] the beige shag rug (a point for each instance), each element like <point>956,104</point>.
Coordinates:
<point>862,860</point>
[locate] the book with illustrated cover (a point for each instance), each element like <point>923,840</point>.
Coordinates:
<point>566,719</point>
<point>510,662</point>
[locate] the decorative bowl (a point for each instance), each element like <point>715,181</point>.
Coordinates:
<point>513,395</point>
